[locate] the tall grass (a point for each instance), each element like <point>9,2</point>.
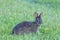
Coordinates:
<point>13,12</point>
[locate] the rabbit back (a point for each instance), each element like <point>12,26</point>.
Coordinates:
<point>24,27</point>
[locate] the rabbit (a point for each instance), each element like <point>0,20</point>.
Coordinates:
<point>27,26</point>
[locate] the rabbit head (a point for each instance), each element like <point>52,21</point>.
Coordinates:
<point>38,19</point>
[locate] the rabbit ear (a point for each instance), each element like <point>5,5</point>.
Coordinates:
<point>35,14</point>
<point>41,14</point>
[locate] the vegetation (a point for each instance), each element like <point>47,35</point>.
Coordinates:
<point>13,12</point>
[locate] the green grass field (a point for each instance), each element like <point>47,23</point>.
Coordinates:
<point>13,12</point>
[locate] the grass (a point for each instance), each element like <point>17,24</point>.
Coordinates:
<point>13,12</point>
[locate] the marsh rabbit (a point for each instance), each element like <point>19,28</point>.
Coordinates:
<point>27,26</point>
